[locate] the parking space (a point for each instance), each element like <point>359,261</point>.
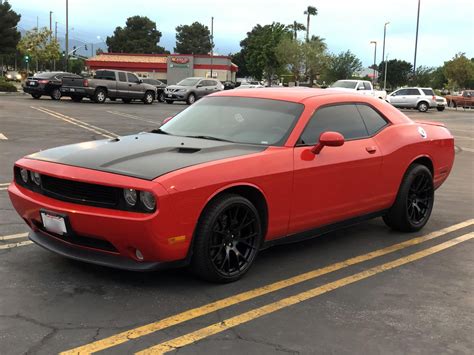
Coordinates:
<point>364,289</point>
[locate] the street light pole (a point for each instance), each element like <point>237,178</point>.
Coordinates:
<point>212,42</point>
<point>67,34</point>
<point>375,59</point>
<point>416,38</point>
<point>385,74</point>
<point>383,52</point>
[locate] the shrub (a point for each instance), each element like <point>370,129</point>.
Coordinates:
<point>6,86</point>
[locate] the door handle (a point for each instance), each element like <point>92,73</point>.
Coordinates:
<point>371,149</point>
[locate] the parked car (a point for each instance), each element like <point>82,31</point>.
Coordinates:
<point>46,83</point>
<point>160,88</point>
<point>421,99</point>
<point>234,173</point>
<point>228,85</point>
<point>441,103</point>
<point>13,76</point>
<point>191,89</point>
<point>464,99</point>
<point>255,85</point>
<point>112,84</point>
<point>363,87</point>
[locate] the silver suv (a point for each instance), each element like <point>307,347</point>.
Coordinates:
<point>420,98</point>
<point>191,89</point>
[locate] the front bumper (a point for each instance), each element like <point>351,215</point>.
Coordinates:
<point>176,96</point>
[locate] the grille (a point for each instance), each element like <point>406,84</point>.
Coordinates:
<point>80,192</point>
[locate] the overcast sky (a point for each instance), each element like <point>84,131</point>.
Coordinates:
<point>446,27</point>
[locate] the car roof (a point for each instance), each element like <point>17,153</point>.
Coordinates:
<point>294,94</point>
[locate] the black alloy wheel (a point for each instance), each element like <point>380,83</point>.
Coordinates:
<point>420,198</point>
<point>227,240</point>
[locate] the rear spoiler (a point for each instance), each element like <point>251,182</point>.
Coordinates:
<point>439,124</point>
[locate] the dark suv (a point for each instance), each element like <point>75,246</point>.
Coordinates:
<point>47,83</point>
<point>191,89</point>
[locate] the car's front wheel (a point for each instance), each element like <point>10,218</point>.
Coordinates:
<point>36,96</point>
<point>191,99</point>
<point>148,98</point>
<point>414,202</point>
<point>227,239</point>
<point>56,94</point>
<point>440,108</point>
<point>161,97</point>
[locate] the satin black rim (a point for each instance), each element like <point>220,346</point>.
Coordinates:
<point>420,198</point>
<point>234,239</point>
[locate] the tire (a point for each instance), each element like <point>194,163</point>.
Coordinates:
<point>126,101</point>
<point>76,98</point>
<point>414,202</point>
<point>191,99</point>
<point>100,96</point>
<point>423,106</point>
<point>148,98</point>
<point>169,102</point>
<point>227,239</point>
<point>440,108</point>
<point>36,96</point>
<point>56,94</point>
<point>161,97</point>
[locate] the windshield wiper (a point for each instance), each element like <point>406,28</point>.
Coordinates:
<point>159,131</point>
<point>210,138</point>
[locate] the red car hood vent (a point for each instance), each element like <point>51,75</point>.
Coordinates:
<point>145,156</point>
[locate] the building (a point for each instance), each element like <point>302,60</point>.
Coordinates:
<point>169,67</point>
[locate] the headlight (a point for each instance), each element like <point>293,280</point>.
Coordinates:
<point>9,76</point>
<point>36,177</point>
<point>18,76</point>
<point>148,200</point>
<point>181,90</point>
<point>130,196</point>
<point>24,175</point>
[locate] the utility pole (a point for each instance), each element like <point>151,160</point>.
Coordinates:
<point>383,54</point>
<point>67,35</point>
<point>416,38</point>
<point>385,74</point>
<point>55,38</point>
<point>212,42</point>
<point>375,59</point>
<point>50,25</point>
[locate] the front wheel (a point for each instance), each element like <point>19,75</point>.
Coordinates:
<point>36,96</point>
<point>414,202</point>
<point>191,99</point>
<point>161,97</point>
<point>56,94</point>
<point>148,98</point>
<point>422,106</point>
<point>440,108</point>
<point>227,239</point>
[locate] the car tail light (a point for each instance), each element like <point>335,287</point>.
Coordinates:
<point>43,81</point>
<point>85,83</point>
<point>434,98</point>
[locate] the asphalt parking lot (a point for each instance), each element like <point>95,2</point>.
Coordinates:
<point>364,289</point>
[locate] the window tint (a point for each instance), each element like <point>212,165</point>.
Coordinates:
<point>344,119</point>
<point>401,92</point>
<point>132,78</point>
<point>360,86</point>
<point>206,83</point>
<point>372,119</point>
<point>413,92</point>
<point>122,76</point>
<point>367,86</point>
<point>105,75</point>
<point>428,92</point>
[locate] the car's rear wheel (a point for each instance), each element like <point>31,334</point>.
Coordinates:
<point>227,239</point>
<point>148,98</point>
<point>36,96</point>
<point>161,97</point>
<point>191,99</point>
<point>169,102</point>
<point>414,202</point>
<point>440,108</point>
<point>76,98</point>
<point>100,96</point>
<point>56,94</point>
<point>423,106</point>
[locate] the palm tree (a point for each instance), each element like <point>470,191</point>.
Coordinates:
<point>310,11</point>
<point>295,27</point>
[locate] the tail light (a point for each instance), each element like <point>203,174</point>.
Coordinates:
<point>434,98</point>
<point>43,81</point>
<point>85,83</point>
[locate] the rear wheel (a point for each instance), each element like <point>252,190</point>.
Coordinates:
<point>414,202</point>
<point>423,106</point>
<point>227,239</point>
<point>36,96</point>
<point>76,98</point>
<point>100,96</point>
<point>191,99</point>
<point>56,94</point>
<point>440,108</point>
<point>148,98</point>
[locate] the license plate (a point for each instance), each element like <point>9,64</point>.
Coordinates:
<point>169,95</point>
<point>72,89</point>
<point>32,83</point>
<point>54,223</point>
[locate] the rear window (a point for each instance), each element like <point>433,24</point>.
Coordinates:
<point>428,92</point>
<point>105,75</point>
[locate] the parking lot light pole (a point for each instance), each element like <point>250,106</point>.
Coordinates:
<point>416,38</point>
<point>385,74</point>
<point>67,34</point>
<point>212,42</point>
<point>375,59</point>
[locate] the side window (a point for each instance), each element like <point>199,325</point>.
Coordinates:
<point>413,92</point>
<point>344,119</point>
<point>372,119</point>
<point>367,86</point>
<point>428,92</point>
<point>122,76</point>
<point>360,86</point>
<point>402,92</point>
<point>205,83</point>
<point>132,78</point>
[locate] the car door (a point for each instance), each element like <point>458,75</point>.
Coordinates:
<point>339,182</point>
<point>201,88</point>
<point>135,90</point>
<point>412,97</point>
<point>399,98</point>
<point>122,85</point>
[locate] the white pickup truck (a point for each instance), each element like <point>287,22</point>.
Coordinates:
<point>363,87</point>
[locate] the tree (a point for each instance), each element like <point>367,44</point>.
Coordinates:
<point>316,59</point>
<point>138,36</point>
<point>239,60</point>
<point>459,71</point>
<point>438,80</point>
<point>259,50</point>
<point>290,53</point>
<point>398,72</point>
<point>38,46</point>
<point>193,39</point>
<point>295,27</point>
<point>424,76</point>
<point>342,66</point>
<point>9,35</point>
<point>310,11</point>
<point>77,65</point>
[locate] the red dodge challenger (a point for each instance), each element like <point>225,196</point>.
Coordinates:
<point>234,173</point>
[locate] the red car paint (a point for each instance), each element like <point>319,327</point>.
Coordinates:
<point>302,190</point>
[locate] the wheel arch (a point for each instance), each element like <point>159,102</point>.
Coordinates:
<point>425,160</point>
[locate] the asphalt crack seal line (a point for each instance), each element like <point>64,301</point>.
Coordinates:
<point>182,317</point>
<point>103,132</point>
<point>255,313</point>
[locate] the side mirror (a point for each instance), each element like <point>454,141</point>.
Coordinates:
<point>140,81</point>
<point>328,139</point>
<point>199,85</point>
<point>166,120</point>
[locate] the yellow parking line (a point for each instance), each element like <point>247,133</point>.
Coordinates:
<point>13,236</point>
<point>15,245</point>
<point>215,328</point>
<point>138,332</point>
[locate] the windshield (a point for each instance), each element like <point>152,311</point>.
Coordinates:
<point>344,84</point>
<point>188,82</point>
<point>237,119</point>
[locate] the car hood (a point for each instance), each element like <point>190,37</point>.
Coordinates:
<point>145,155</point>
